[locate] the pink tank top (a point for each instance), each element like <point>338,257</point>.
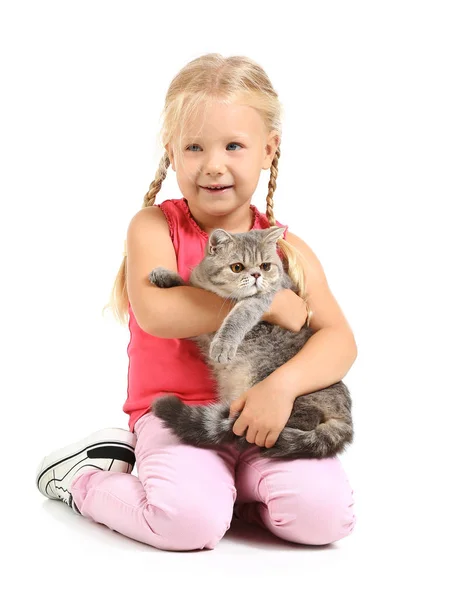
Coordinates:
<point>174,366</point>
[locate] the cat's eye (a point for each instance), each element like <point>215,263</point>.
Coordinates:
<point>266,266</point>
<point>237,267</point>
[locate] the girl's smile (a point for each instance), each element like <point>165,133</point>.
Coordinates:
<point>218,191</point>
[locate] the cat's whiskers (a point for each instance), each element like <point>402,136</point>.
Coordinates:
<point>247,283</point>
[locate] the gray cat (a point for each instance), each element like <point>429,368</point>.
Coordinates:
<point>246,267</point>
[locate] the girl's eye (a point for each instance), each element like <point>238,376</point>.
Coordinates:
<point>231,144</point>
<point>266,266</point>
<point>237,267</point>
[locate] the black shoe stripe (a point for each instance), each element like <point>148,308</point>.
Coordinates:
<point>114,452</point>
<point>127,447</point>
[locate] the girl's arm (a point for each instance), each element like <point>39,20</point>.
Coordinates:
<point>183,311</point>
<point>325,359</point>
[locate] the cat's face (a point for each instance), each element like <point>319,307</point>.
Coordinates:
<point>240,265</point>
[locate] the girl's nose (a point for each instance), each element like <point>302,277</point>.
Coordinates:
<point>216,169</point>
<point>214,164</point>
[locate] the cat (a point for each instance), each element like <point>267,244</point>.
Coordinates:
<point>246,267</point>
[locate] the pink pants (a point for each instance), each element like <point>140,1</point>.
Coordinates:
<point>183,496</point>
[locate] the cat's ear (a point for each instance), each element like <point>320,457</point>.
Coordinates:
<point>217,238</point>
<point>273,234</point>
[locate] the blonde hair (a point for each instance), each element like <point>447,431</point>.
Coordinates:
<point>203,80</point>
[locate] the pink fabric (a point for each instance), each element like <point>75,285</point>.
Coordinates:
<point>156,365</point>
<point>183,496</point>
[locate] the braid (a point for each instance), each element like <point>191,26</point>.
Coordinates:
<point>155,186</point>
<point>290,253</point>
<point>272,187</point>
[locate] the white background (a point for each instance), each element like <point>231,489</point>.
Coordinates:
<point>368,177</point>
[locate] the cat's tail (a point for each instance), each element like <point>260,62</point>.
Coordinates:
<point>326,440</point>
<point>203,426</point>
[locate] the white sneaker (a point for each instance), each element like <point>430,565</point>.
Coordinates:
<point>105,450</point>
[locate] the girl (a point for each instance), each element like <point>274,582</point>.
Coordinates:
<point>221,128</point>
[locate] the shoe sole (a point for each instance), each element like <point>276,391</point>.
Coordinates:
<point>122,445</point>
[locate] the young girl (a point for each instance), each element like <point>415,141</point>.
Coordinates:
<point>221,128</point>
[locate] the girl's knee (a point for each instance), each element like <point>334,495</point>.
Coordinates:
<point>319,511</point>
<point>314,522</point>
<point>333,521</point>
<point>187,525</point>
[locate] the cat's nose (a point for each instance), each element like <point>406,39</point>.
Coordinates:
<point>256,275</point>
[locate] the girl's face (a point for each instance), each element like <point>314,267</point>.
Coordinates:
<point>230,150</point>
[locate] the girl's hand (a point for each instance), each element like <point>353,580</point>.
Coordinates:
<point>287,310</point>
<point>265,409</point>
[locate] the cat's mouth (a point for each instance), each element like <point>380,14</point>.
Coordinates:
<point>257,286</point>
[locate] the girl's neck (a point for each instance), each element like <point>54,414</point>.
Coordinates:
<point>239,220</point>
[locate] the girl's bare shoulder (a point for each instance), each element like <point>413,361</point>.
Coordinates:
<point>148,245</point>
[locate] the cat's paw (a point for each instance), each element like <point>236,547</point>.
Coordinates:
<point>164,278</point>
<point>221,351</point>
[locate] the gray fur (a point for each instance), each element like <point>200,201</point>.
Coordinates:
<point>245,350</point>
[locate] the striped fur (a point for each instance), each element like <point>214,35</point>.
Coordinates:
<point>245,350</point>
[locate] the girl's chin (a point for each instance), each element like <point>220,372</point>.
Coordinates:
<point>216,205</point>
<point>217,202</point>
